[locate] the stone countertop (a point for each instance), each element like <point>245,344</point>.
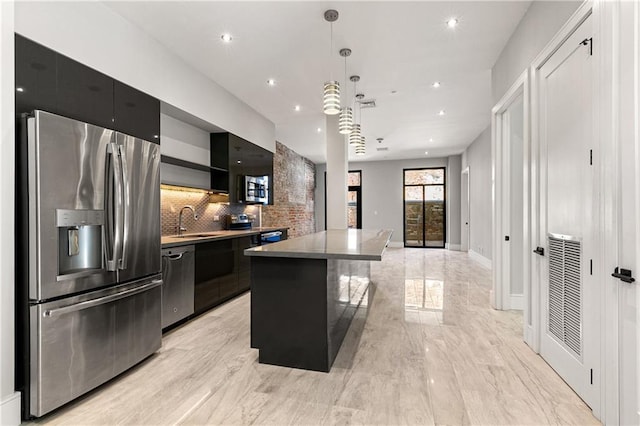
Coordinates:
<point>351,244</point>
<point>205,237</point>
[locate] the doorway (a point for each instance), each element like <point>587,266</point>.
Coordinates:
<point>510,131</point>
<point>354,200</point>
<point>465,212</point>
<point>566,229</point>
<point>424,207</point>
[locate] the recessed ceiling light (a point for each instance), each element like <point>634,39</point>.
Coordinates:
<point>430,139</point>
<point>451,23</point>
<point>319,130</point>
<point>436,84</point>
<point>426,153</point>
<point>239,161</point>
<point>155,136</point>
<point>271,82</point>
<point>297,108</point>
<point>19,89</point>
<point>441,112</point>
<point>226,37</point>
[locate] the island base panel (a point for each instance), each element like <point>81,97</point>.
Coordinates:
<point>289,312</point>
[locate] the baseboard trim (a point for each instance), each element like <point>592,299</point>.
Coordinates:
<point>454,247</point>
<point>396,244</point>
<point>480,259</point>
<point>10,410</point>
<point>516,301</point>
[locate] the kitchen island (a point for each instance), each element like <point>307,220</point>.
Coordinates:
<point>305,292</point>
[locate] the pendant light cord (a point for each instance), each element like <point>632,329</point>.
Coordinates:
<point>330,52</point>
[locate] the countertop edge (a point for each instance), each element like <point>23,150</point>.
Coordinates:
<point>306,253</point>
<point>236,234</point>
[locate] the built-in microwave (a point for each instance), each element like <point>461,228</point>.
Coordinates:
<point>256,189</point>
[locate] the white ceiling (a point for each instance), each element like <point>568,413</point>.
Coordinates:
<point>397,46</point>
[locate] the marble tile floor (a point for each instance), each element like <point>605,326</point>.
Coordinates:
<point>427,349</point>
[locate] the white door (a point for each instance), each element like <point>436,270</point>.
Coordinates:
<point>626,232</point>
<point>570,312</point>
<point>464,210</point>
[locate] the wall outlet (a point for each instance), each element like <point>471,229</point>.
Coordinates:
<point>216,218</point>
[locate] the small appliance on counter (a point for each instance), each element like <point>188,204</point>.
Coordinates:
<point>237,222</point>
<point>271,237</point>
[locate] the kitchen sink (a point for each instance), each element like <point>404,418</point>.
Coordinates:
<point>197,235</point>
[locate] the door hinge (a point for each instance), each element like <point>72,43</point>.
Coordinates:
<point>591,266</point>
<point>592,376</point>
<point>591,157</point>
<point>588,41</point>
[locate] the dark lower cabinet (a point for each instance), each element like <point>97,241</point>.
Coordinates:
<point>222,271</point>
<point>215,274</point>
<point>244,262</point>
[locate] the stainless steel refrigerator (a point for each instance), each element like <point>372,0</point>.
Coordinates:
<point>94,261</point>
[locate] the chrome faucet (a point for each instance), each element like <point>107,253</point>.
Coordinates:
<point>180,227</point>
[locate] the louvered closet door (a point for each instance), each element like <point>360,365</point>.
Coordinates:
<point>569,311</point>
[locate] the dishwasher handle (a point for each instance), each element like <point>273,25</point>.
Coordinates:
<point>174,256</point>
<point>101,300</point>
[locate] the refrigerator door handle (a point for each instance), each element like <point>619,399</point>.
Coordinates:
<point>101,300</point>
<point>126,208</point>
<point>114,205</point>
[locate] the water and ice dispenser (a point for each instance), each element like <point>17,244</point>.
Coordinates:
<point>79,240</point>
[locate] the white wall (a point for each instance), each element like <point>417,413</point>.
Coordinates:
<point>94,35</point>
<point>542,20</point>
<point>382,194</point>
<point>454,169</point>
<point>9,400</point>
<point>478,158</point>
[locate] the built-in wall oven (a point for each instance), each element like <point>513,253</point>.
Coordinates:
<point>256,189</point>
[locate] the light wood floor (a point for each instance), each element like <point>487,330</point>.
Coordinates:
<point>428,349</point>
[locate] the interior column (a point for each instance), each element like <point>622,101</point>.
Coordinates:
<point>337,171</point>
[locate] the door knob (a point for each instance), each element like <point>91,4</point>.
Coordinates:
<point>539,251</point>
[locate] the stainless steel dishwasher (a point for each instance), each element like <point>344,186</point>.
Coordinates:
<point>178,268</point>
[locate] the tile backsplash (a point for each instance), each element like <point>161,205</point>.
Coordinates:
<point>171,201</point>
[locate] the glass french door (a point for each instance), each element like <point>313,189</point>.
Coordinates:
<point>354,207</point>
<point>424,207</point>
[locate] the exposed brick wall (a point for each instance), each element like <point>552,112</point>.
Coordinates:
<point>294,182</point>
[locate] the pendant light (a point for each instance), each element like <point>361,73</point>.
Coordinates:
<point>331,97</point>
<point>345,122</point>
<point>354,136</point>
<point>360,145</point>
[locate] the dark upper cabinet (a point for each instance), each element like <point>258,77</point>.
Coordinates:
<point>219,162</point>
<point>84,93</point>
<point>35,77</point>
<point>243,159</point>
<point>136,113</point>
<point>52,82</point>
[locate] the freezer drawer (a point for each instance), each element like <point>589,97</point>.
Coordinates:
<point>80,342</point>
<point>177,288</point>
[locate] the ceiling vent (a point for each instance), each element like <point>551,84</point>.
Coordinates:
<point>368,103</point>
<point>385,148</point>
